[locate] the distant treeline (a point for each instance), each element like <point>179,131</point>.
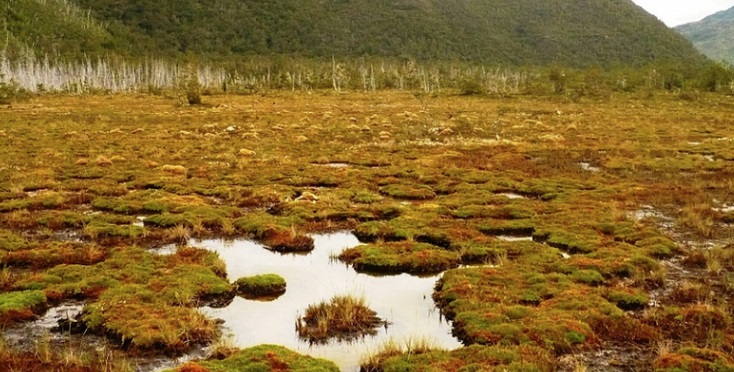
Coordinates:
<point>32,75</point>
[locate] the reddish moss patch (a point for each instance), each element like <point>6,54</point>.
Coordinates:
<point>695,359</point>
<point>694,323</point>
<point>287,241</point>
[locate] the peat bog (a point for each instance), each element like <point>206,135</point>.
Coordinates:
<point>591,233</point>
<point>403,301</point>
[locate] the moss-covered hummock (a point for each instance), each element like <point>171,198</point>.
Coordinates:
<point>471,358</point>
<point>261,358</point>
<point>408,192</point>
<point>398,257</point>
<point>20,305</point>
<point>143,300</point>
<point>286,241</point>
<point>266,285</point>
<point>694,359</point>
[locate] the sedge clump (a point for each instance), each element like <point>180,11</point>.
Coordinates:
<point>343,317</point>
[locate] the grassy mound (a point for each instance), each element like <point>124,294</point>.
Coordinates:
<point>260,285</point>
<point>343,317</point>
<point>143,300</point>
<point>694,359</point>
<point>418,356</point>
<point>261,358</point>
<point>20,305</point>
<point>47,356</point>
<point>398,257</point>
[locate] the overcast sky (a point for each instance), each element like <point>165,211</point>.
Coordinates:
<point>678,12</point>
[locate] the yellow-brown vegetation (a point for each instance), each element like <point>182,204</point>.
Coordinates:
<point>577,210</point>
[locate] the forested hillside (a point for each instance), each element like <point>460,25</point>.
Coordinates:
<point>714,35</point>
<point>59,28</point>
<point>512,32</point>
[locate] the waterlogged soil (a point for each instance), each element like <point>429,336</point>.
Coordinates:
<point>403,301</point>
<point>55,327</point>
<point>22,335</point>
<point>631,194</point>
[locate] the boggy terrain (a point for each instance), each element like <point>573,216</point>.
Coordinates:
<point>601,226</point>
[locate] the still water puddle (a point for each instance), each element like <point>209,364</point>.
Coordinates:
<point>333,165</point>
<point>515,238</point>
<point>512,195</point>
<point>403,300</point>
<point>588,167</point>
<point>24,334</point>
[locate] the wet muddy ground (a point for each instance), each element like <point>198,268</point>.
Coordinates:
<point>53,330</point>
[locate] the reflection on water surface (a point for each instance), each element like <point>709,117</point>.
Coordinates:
<point>403,300</point>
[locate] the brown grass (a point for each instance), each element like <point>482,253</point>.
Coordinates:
<point>341,317</point>
<point>414,167</point>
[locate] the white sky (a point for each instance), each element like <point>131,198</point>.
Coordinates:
<point>678,12</point>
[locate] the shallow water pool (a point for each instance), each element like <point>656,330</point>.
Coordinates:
<point>403,300</point>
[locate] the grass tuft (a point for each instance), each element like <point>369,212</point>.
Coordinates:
<point>343,317</point>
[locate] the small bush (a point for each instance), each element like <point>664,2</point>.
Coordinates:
<point>471,87</point>
<point>9,92</point>
<point>191,86</point>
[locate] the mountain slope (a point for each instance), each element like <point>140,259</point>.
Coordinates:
<point>513,32</point>
<point>714,35</point>
<point>56,27</point>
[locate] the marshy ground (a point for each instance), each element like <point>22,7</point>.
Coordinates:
<point>591,233</point>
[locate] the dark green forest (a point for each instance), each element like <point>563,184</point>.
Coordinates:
<point>509,32</point>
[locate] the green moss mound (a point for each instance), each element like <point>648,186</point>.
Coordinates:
<point>400,257</point>
<point>10,241</point>
<point>20,305</point>
<point>261,285</point>
<point>145,301</point>
<point>262,358</point>
<point>471,358</point>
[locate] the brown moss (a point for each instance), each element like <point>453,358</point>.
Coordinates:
<point>423,206</point>
<point>282,240</point>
